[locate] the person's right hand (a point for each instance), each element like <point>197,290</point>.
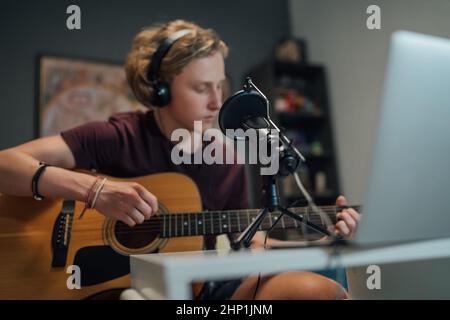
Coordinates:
<point>128,202</point>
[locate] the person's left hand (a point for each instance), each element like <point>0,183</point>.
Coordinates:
<point>347,219</point>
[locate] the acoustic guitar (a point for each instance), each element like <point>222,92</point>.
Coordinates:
<point>40,242</point>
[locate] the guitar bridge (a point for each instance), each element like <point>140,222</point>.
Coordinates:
<point>62,230</point>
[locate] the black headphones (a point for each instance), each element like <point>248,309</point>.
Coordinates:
<point>161,90</point>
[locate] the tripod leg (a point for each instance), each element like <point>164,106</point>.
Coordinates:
<point>308,223</point>
<point>247,235</point>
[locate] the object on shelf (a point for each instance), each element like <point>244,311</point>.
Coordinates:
<point>316,148</point>
<point>281,105</point>
<point>291,100</point>
<point>288,186</point>
<point>320,182</point>
<point>304,176</point>
<point>291,50</point>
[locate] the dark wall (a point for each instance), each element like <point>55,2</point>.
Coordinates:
<point>28,28</point>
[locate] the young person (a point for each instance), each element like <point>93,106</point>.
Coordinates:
<point>185,86</point>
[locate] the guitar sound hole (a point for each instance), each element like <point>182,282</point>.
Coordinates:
<point>138,236</point>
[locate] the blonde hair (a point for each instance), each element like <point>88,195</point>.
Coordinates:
<point>197,44</point>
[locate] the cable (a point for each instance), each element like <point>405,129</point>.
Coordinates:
<point>326,220</point>
<point>338,266</point>
<point>323,216</point>
<point>257,286</point>
<point>265,242</point>
<point>304,228</point>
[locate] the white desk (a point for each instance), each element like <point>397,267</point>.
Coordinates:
<point>170,275</point>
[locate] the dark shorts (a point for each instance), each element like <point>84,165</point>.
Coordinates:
<point>219,290</point>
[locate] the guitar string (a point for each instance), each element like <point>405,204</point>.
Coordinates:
<point>157,219</point>
<point>233,227</point>
<point>155,224</point>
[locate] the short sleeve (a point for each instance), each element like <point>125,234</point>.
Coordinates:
<point>94,145</point>
<point>238,198</point>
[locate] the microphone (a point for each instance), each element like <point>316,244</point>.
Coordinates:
<point>243,110</point>
<point>249,109</point>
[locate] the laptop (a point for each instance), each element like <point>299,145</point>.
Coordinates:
<point>408,186</point>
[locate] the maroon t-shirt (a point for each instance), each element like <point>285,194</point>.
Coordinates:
<point>130,144</point>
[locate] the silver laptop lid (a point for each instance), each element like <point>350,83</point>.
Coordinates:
<point>409,183</point>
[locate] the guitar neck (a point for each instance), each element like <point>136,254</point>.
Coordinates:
<point>235,221</point>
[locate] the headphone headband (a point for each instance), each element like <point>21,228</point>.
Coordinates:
<point>153,70</point>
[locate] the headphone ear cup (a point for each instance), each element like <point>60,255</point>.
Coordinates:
<point>161,95</point>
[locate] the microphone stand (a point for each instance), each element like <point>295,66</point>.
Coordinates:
<point>271,202</point>
<point>271,198</point>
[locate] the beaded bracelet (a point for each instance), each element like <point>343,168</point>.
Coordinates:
<point>89,196</point>
<point>97,193</point>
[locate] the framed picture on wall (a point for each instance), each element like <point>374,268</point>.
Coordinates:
<point>74,91</point>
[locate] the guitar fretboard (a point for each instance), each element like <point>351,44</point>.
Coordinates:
<point>221,222</point>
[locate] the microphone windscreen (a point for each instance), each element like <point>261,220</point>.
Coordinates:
<point>239,108</point>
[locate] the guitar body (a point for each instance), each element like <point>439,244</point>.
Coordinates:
<point>95,244</point>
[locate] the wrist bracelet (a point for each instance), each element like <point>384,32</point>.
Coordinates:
<point>97,193</point>
<point>89,196</point>
<point>35,181</point>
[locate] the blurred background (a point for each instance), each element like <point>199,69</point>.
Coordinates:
<point>317,60</point>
